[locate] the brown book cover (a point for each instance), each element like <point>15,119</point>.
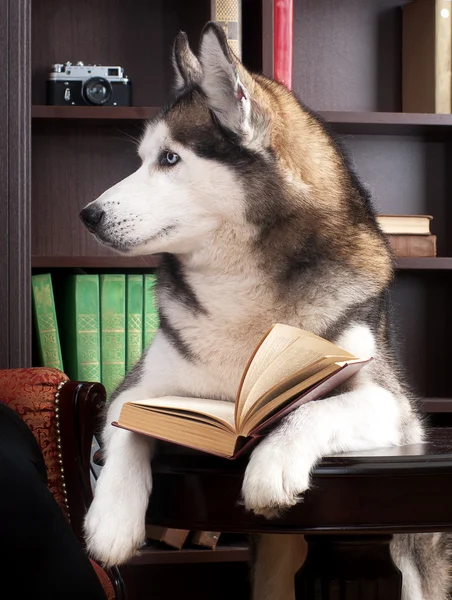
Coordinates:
<point>426,56</point>
<point>207,539</point>
<point>413,245</point>
<point>175,538</point>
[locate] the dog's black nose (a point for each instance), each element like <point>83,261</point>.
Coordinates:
<point>92,216</point>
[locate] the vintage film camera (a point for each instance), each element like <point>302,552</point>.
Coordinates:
<point>92,85</point>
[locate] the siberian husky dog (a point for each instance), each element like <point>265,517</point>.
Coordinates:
<point>259,219</point>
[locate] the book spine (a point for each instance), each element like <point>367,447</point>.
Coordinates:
<point>134,336</point>
<point>46,322</point>
<point>443,63</point>
<point>113,330</point>
<point>426,57</point>
<point>151,315</point>
<point>207,539</point>
<point>413,245</point>
<point>87,327</point>
<point>228,14</point>
<point>283,41</point>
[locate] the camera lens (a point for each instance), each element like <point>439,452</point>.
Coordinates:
<point>97,90</point>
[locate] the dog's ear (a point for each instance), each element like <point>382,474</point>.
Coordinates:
<point>187,69</point>
<point>224,81</point>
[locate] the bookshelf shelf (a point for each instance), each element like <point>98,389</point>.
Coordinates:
<point>437,405</point>
<point>156,555</point>
<point>136,262</point>
<point>94,262</point>
<point>94,112</point>
<point>425,264</point>
<point>388,123</point>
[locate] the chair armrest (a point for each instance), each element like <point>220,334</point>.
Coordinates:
<point>78,407</point>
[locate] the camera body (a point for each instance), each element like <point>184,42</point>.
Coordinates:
<point>88,85</point>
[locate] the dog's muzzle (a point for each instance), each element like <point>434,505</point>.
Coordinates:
<point>92,217</point>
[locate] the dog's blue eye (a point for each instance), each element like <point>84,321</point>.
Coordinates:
<point>169,159</point>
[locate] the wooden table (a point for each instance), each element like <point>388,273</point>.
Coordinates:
<point>357,502</point>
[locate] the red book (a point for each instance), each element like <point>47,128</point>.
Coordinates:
<point>283,41</point>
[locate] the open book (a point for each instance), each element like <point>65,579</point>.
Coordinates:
<point>288,368</point>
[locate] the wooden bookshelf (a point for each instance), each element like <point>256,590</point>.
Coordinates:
<point>146,262</point>
<point>347,68</point>
<point>439,263</point>
<point>94,262</point>
<point>437,405</point>
<point>135,113</point>
<point>388,123</point>
<point>153,554</point>
<point>347,122</point>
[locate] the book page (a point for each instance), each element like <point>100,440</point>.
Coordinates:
<point>260,395</point>
<point>218,410</point>
<point>207,437</point>
<point>275,342</point>
<point>321,383</point>
<point>301,350</point>
<point>193,416</point>
<point>255,418</point>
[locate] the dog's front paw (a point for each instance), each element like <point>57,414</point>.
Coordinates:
<point>274,479</point>
<point>115,525</point>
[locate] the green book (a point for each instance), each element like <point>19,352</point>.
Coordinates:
<point>46,322</point>
<point>113,330</point>
<point>79,321</point>
<point>151,313</point>
<point>134,329</point>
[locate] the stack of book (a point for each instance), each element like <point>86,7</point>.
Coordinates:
<point>409,235</point>
<point>94,327</point>
<point>178,538</point>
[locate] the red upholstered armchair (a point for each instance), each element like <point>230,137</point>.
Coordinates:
<point>62,415</point>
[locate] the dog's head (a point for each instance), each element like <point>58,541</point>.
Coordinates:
<point>188,183</point>
<point>237,151</point>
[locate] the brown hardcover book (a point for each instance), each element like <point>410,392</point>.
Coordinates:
<point>426,62</point>
<point>413,245</point>
<point>405,224</point>
<point>207,539</point>
<point>175,538</point>
<point>288,368</point>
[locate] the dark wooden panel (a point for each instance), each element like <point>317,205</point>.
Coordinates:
<point>4,182</point>
<point>190,582</point>
<point>135,34</point>
<point>252,34</point>
<point>73,163</point>
<point>347,54</point>
<point>423,330</point>
<point>15,309</point>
